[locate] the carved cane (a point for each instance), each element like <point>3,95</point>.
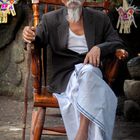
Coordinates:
<point>29,46</point>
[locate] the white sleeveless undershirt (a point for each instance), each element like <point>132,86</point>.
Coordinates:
<point>77,43</point>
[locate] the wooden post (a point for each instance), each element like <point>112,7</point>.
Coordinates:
<point>38,117</point>
<point>36,66</point>
<point>35,7</point>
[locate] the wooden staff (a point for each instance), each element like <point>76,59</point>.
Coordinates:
<point>26,84</point>
<point>29,47</point>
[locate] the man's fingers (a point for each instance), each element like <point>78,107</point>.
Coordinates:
<point>90,60</point>
<point>29,38</point>
<point>33,28</point>
<point>98,61</point>
<point>94,61</point>
<point>32,32</point>
<point>29,34</point>
<point>93,57</point>
<point>86,60</point>
<point>27,41</point>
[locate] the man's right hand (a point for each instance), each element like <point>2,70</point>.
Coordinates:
<point>28,34</point>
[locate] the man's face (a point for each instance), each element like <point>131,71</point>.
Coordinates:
<point>74,9</point>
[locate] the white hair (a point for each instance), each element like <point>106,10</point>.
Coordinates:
<point>74,10</point>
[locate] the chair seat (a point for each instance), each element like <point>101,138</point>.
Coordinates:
<point>45,99</point>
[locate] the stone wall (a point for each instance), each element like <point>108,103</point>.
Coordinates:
<point>132,90</point>
<point>12,54</point>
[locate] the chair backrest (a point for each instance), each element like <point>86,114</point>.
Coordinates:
<point>104,4</point>
<point>39,56</point>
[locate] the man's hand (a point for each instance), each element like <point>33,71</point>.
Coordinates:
<point>93,56</point>
<point>28,34</point>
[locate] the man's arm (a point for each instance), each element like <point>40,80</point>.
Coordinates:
<point>110,44</point>
<point>41,38</point>
<point>112,41</point>
<point>38,36</point>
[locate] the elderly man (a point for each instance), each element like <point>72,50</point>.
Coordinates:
<point>79,39</point>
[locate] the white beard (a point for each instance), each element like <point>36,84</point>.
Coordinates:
<point>74,14</point>
<point>74,11</point>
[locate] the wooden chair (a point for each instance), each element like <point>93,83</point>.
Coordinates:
<point>42,98</point>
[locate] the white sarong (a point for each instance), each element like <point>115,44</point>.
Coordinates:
<point>87,93</point>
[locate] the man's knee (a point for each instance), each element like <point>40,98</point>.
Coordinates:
<point>89,71</point>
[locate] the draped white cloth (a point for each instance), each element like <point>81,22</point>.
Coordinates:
<point>87,93</point>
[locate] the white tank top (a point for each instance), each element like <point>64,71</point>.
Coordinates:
<point>77,43</point>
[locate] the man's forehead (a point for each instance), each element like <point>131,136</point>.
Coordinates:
<point>65,1</point>
<point>75,0</point>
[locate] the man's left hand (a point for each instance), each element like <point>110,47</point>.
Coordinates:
<point>93,56</point>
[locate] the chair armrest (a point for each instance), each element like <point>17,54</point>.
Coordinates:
<point>121,54</point>
<point>112,65</point>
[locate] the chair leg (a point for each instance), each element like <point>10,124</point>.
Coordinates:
<point>38,118</point>
<point>34,116</point>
